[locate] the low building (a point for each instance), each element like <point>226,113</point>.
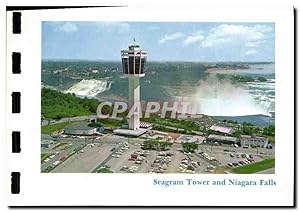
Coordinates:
<point>80,128</point>
<point>221,129</point>
<point>222,139</point>
<point>253,141</point>
<point>191,139</point>
<point>130,132</point>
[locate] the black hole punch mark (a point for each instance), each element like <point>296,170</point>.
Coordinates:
<point>17,22</point>
<point>16,142</point>
<point>16,62</point>
<point>15,182</point>
<point>16,102</point>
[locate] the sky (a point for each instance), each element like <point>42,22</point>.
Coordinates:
<point>164,41</point>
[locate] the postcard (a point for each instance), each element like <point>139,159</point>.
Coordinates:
<point>185,108</point>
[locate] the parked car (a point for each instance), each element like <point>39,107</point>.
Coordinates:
<point>56,162</point>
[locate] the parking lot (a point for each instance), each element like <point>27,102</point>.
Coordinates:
<point>85,160</point>
<point>117,163</point>
<point>232,157</point>
<point>124,155</point>
<point>172,161</point>
<point>58,151</point>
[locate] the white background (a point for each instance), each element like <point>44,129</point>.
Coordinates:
<point>91,187</point>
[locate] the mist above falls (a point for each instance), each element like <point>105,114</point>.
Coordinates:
<point>220,97</point>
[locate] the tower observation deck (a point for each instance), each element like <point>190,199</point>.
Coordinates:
<point>133,64</point>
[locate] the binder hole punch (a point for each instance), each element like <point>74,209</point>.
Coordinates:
<point>16,142</point>
<point>16,102</point>
<point>17,22</point>
<point>15,182</point>
<point>16,62</point>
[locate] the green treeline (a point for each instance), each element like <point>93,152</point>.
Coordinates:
<point>240,78</point>
<point>56,105</point>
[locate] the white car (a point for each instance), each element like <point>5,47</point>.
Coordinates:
<point>56,162</point>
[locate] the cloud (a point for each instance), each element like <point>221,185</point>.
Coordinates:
<point>170,37</point>
<point>236,33</point>
<point>250,52</point>
<point>194,38</point>
<point>254,43</point>
<point>117,27</point>
<point>66,27</point>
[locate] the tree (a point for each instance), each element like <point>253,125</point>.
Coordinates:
<point>155,144</point>
<point>189,147</point>
<point>124,120</point>
<point>269,131</point>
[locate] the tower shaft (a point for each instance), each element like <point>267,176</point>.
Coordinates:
<point>134,101</point>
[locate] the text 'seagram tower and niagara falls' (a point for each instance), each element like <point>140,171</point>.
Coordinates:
<point>133,62</point>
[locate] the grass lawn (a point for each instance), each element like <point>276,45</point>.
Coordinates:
<point>48,129</point>
<point>255,167</point>
<point>183,124</point>
<point>112,123</point>
<point>44,156</point>
<point>104,170</point>
<point>60,144</point>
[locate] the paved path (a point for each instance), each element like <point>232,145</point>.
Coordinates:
<point>106,159</point>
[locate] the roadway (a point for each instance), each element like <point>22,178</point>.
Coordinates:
<point>76,118</point>
<point>75,144</point>
<point>107,159</point>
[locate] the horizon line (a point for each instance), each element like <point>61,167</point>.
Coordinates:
<point>191,61</point>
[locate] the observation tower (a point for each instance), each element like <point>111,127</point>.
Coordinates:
<point>133,64</point>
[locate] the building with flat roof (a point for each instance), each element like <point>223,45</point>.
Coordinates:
<point>222,139</point>
<point>253,141</point>
<point>129,132</point>
<point>221,129</point>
